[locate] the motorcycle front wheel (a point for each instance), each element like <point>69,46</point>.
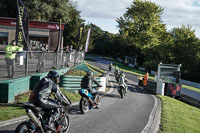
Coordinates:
<point>84,105</point>
<point>66,124</point>
<point>26,127</point>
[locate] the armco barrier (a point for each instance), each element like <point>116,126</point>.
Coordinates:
<point>10,88</point>
<point>190,96</point>
<point>74,82</point>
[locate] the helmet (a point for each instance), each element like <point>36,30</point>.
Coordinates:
<point>54,76</point>
<point>90,73</point>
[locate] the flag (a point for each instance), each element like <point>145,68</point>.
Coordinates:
<point>88,40</point>
<point>80,35</point>
<point>22,27</point>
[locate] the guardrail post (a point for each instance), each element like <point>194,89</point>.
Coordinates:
<point>26,69</point>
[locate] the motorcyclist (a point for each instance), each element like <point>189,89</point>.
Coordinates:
<point>123,80</point>
<point>117,74</point>
<point>86,83</point>
<point>116,71</point>
<point>40,95</point>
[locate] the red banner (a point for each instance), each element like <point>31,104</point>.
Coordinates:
<point>32,24</point>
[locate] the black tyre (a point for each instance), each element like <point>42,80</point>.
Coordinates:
<point>84,105</point>
<point>25,127</point>
<point>98,102</point>
<point>122,92</point>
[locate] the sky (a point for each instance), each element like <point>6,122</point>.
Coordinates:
<point>104,13</point>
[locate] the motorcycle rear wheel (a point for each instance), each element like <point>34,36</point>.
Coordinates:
<point>25,127</point>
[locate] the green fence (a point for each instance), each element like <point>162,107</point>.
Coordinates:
<point>10,88</point>
<point>73,82</point>
<point>37,77</point>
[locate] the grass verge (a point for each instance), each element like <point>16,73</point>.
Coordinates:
<point>74,97</point>
<point>140,73</point>
<point>131,70</point>
<point>191,88</point>
<point>74,72</point>
<point>12,110</point>
<point>178,117</point>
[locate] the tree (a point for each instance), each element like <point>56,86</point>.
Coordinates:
<point>186,51</point>
<point>142,27</point>
<point>71,27</point>
<point>48,11</point>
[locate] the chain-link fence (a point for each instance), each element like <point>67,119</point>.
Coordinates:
<point>37,62</point>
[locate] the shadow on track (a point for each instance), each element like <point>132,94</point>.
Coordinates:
<point>137,89</point>
<point>74,110</point>
<point>7,131</point>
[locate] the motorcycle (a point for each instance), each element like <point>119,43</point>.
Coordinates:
<point>39,118</point>
<point>87,99</point>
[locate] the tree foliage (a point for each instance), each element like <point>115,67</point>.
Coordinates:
<point>186,51</point>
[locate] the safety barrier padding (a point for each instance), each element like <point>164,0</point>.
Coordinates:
<point>10,88</point>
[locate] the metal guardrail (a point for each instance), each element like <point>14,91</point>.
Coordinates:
<point>190,96</point>
<point>44,61</point>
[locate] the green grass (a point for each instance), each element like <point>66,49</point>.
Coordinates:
<point>191,88</point>
<point>178,117</point>
<point>131,70</point>
<point>140,73</point>
<point>74,72</point>
<point>9,111</point>
<point>74,97</point>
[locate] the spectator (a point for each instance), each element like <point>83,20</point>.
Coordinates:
<point>10,58</point>
<point>54,58</point>
<point>65,57</point>
<point>146,77</point>
<point>71,48</point>
<point>41,58</point>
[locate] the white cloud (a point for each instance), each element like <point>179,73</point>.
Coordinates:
<point>181,12</point>
<point>176,12</point>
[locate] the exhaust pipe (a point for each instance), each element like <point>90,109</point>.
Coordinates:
<point>35,120</point>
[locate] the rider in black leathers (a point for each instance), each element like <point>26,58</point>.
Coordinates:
<point>86,83</point>
<point>42,91</point>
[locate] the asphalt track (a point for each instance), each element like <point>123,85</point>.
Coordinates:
<point>116,115</point>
